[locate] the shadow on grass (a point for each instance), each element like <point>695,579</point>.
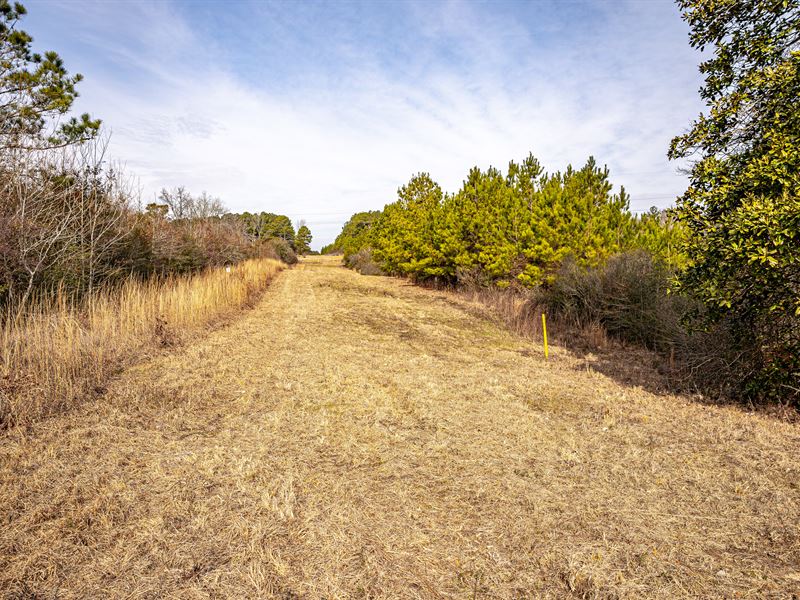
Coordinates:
<point>637,367</point>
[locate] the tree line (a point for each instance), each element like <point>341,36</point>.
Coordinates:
<point>75,226</point>
<point>507,229</point>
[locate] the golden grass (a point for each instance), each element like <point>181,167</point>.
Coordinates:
<point>358,437</point>
<point>515,310</point>
<point>56,353</point>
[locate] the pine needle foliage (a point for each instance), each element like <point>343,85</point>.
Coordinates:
<point>512,229</point>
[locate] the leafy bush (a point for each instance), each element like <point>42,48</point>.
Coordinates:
<point>742,208</point>
<point>627,296</point>
<point>363,262</point>
<point>280,249</point>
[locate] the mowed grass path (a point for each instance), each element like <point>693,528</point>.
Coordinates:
<point>359,437</point>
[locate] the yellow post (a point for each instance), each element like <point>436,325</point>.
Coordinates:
<point>544,333</point>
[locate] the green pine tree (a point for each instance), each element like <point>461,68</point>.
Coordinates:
<point>37,91</point>
<point>302,240</point>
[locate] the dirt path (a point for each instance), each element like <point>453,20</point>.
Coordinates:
<point>359,437</point>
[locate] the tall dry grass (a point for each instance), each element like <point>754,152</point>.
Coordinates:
<point>519,310</point>
<point>56,351</point>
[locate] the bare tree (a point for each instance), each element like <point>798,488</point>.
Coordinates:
<point>41,223</point>
<point>64,210</point>
<point>179,201</point>
<point>206,207</point>
<point>103,196</point>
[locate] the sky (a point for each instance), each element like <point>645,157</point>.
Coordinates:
<point>318,110</point>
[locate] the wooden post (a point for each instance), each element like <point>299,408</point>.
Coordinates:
<point>544,334</point>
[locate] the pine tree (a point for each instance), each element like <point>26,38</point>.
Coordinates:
<point>406,236</point>
<point>356,234</point>
<point>36,90</point>
<point>302,240</point>
<point>498,230</point>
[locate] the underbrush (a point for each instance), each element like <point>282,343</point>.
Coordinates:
<point>56,352</point>
<point>363,262</point>
<point>626,301</point>
<point>279,249</point>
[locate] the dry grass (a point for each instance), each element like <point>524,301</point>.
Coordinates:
<point>359,437</point>
<point>629,363</point>
<point>517,310</point>
<point>56,353</point>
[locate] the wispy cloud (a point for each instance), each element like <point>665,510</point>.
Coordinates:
<point>317,111</point>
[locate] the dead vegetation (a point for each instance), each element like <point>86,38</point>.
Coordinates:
<point>57,352</point>
<point>359,437</point>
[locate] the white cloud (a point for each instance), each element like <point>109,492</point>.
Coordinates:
<point>323,151</point>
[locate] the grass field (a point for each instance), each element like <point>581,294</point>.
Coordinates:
<point>360,437</point>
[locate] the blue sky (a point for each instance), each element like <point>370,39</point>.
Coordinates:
<point>321,109</point>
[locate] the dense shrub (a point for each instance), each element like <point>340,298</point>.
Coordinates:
<point>68,221</point>
<point>363,262</point>
<point>280,249</point>
<point>742,207</point>
<point>628,296</point>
